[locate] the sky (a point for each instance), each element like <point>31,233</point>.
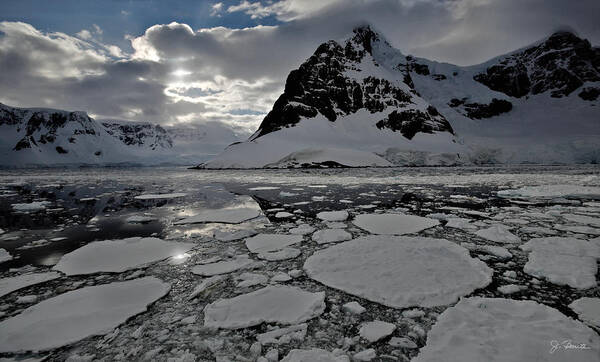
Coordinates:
<point>194,62</point>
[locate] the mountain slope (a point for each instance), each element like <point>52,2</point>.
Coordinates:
<point>50,137</point>
<point>535,105</point>
<point>346,96</point>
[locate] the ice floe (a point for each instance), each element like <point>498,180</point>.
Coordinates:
<point>302,229</point>
<point>78,314</point>
<point>117,256</point>
<point>225,215</point>
<point>174,195</point>
<point>583,219</point>
<point>140,219</point>
<point>353,308</point>
<point>227,235</point>
<point>31,207</point>
<point>460,223</point>
<point>206,284</point>
<point>5,255</point>
<point>263,243</point>
<point>588,310</point>
<point>376,330</point>
<point>283,335</point>
<point>246,280</point>
<point>399,271</point>
<point>563,260</point>
<point>499,234</point>
<point>333,215</point>
<point>552,191</point>
<point>225,266</point>
<point>272,304</point>
<point>314,355</point>
<point>393,224</point>
<point>495,329</point>
<point>10,284</point>
<point>278,255</point>
<point>331,236</point>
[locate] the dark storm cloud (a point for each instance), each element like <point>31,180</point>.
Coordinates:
<point>180,74</point>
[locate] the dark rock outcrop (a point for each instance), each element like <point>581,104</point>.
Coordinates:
<point>561,64</point>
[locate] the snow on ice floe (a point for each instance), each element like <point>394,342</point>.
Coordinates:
<point>206,284</point>
<point>10,284</point>
<point>233,215</point>
<point>264,243</point>
<point>563,260</point>
<point>117,256</point>
<point>78,314</point>
<point>460,223</point>
<point>393,224</point>
<point>226,266</point>
<point>302,229</point>
<point>331,236</point>
<point>495,329</point>
<point>278,255</point>
<point>141,219</point>
<point>553,191</point>
<point>376,330</point>
<point>499,234</point>
<point>588,310</point>
<point>399,272</point>
<point>174,195</point>
<point>314,355</point>
<point>232,235</point>
<point>5,255</point>
<point>272,304</point>
<point>31,207</point>
<point>333,215</point>
<point>583,219</point>
<point>283,335</point>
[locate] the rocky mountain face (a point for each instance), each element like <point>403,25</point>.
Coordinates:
<point>535,105</point>
<point>333,83</point>
<point>560,64</point>
<point>38,136</point>
<point>139,134</point>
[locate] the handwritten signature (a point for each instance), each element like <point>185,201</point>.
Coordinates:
<point>566,345</point>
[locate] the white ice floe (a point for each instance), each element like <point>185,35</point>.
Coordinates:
<point>563,260</point>
<point>117,256</point>
<point>278,255</point>
<point>376,330</point>
<point>78,314</point>
<point>31,207</point>
<point>225,266</point>
<point>5,255</point>
<point>460,223</point>
<point>496,251</point>
<point>498,233</point>
<point>393,224</point>
<point>399,271</point>
<point>283,335</point>
<point>495,329</point>
<point>314,355</point>
<point>553,191</point>
<point>302,229</point>
<point>281,277</point>
<point>353,308</point>
<point>283,215</point>
<point>583,219</point>
<point>206,284</point>
<point>365,355</point>
<point>226,215</point>
<point>263,243</point>
<point>588,310</point>
<point>511,288</point>
<point>578,229</point>
<point>226,235</point>
<point>174,195</point>
<point>538,230</point>
<point>10,284</point>
<point>272,304</point>
<point>246,280</point>
<point>331,236</point>
<point>402,343</point>
<point>140,219</point>
<point>333,215</point>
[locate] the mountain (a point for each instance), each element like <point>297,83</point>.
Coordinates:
<point>49,137</point>
<point>364,98</point>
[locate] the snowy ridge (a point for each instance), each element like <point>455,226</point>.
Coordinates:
<point>41,136</point>
<point>534,105</point>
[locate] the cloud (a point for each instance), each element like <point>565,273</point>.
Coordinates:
<point>176,74</point>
